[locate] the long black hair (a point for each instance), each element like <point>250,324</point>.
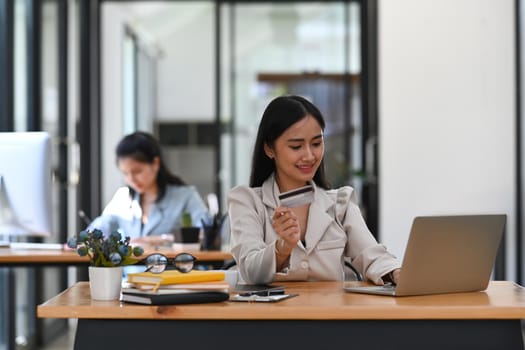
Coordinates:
<point>278,116</point>
<point>143,147</point>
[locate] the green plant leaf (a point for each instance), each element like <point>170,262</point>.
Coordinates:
<point>186,220</point>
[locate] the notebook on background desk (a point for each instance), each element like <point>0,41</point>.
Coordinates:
<point>32,246</point>
<point>446,254</point>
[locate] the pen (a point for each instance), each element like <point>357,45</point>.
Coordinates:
<point>84,217</point>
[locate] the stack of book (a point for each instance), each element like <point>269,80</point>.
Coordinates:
<point>172,287</point>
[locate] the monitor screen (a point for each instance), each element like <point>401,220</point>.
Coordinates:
<point>25,184</point>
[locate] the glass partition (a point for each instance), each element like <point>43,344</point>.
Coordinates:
<point>304,48</point>
<point>262,49</point>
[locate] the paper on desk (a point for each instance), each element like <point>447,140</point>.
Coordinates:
<point>41,246</point>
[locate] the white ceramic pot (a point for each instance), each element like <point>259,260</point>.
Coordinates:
<point>105,283</point>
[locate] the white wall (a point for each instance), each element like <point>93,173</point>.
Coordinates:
<point>186,72</point>
<point>446,113</point>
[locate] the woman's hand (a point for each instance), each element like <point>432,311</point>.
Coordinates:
<point>395,275</point>
<point>392,276</point>
<point>286,225</point>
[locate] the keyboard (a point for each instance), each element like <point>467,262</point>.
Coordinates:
<point>387,289</point>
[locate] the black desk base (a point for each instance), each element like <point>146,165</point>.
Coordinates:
<point>7,309</point>
<point>257,334</point>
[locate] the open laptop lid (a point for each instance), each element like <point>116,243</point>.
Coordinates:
<point>448,254</point>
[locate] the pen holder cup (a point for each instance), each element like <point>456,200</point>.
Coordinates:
<point>190,234</point>
<point>211,239</point>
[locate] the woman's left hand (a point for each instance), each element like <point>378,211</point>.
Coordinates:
<point>395,275</point>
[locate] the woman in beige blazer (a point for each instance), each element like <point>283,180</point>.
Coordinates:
<point>271,242</point>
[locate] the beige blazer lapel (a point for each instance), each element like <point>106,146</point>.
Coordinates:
<point>320,217</point>
<point>270,194</point>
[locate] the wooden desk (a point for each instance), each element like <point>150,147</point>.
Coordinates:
<point>10,258</point>
<point>61,257</point>
<point>322,316</point>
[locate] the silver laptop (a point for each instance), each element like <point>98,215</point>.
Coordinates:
<point>446,254</point>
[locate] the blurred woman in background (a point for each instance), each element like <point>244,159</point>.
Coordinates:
<point>154,200</point>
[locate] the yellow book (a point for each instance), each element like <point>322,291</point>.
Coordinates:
<point>174,277</point>
<point>207,285</point>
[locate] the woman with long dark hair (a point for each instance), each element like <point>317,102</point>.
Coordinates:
<point>154,199</point>
<point>310,237</point>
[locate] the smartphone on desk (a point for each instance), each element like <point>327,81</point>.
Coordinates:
<point>258,289</point>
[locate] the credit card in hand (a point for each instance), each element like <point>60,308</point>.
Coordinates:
<point>297,197</point>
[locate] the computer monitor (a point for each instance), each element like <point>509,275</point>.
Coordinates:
<point>25,184</point>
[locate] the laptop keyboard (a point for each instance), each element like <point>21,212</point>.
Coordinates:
<point>384,288</point>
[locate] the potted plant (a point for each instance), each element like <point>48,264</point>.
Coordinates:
<point>107,256</point>
<point>189,233</point>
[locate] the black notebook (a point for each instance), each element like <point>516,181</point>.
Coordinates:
<point>174,297</point>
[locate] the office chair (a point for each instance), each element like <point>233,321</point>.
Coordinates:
<point>357,274</point>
